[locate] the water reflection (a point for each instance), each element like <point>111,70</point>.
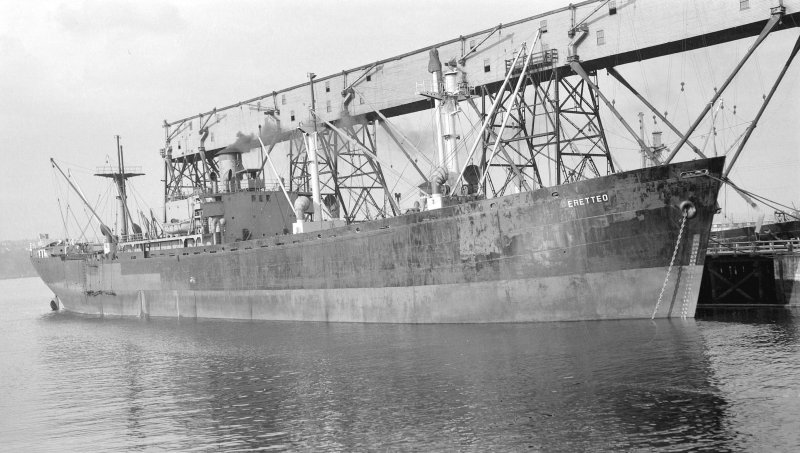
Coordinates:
<point>756,362</point>
<point>74,384</point>
<point>554,387</point>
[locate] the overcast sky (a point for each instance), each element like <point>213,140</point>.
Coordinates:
<point>73,74</point>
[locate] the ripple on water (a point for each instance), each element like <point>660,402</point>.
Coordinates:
<point>102,384</point>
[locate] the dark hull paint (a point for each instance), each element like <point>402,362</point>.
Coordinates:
<point>536,256</point>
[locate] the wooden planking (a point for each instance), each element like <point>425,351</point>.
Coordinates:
<point>639,30</point>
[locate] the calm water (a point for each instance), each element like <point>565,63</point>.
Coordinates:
<point>74,384</point>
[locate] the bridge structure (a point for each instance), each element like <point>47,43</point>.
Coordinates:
<point>531,84</point>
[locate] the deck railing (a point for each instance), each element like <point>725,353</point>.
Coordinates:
<point>107,170</point>
<point>760,248</point>
<point>269,185</point>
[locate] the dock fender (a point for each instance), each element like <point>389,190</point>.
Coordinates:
<point>688,208</point>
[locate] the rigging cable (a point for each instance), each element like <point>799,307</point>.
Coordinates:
<point>88,223</point>
<point>63,221</point>
<point>57,193</point>
<point>764,200</point>
<point>639,55</point>
<point>699,15</point>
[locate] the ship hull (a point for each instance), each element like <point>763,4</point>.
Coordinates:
<point>621,294</point>
<point>596,249</point>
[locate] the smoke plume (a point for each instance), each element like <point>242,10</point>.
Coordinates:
<point>245,142</point>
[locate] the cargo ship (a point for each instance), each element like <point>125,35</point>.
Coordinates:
<point>593,249</point>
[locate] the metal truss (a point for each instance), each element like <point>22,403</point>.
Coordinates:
<point>188,173</point>
<point>581,141</point>
<point>299,176</point>
<point>184,176</point>
<point>348,174</point>
<point>553,124</point>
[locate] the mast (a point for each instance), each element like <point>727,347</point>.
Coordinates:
<point>119,175</point>
<point>449,109</point>
<point>121,189</point>
<point>435,68</point>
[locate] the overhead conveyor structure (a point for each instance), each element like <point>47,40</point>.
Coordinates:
<point>553,120</point>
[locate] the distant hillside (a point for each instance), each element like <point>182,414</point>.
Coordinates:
<point>15,259</point>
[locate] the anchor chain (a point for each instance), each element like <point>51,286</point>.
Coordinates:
<point>671,263</point>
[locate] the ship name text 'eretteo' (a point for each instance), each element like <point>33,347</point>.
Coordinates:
<point>587,200</point>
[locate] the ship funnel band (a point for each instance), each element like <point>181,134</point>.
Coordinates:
<point>688,209</point>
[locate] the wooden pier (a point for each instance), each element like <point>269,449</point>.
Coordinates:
<point>757,273</point>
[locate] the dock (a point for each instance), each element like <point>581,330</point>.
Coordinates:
<point>751,273</point>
